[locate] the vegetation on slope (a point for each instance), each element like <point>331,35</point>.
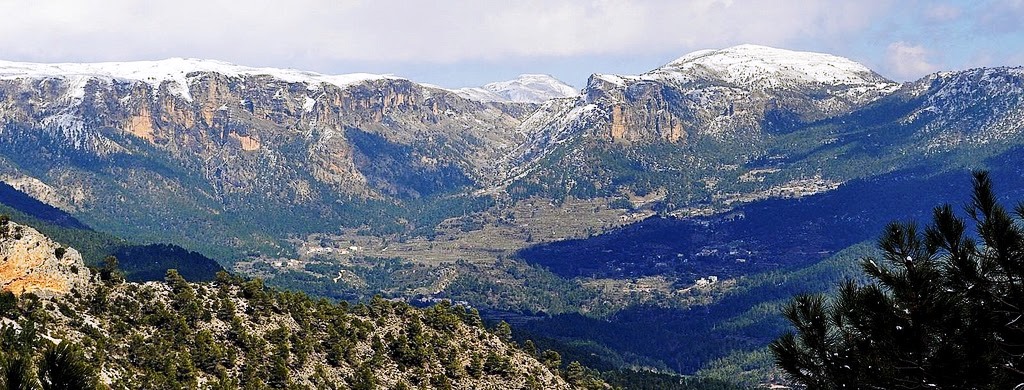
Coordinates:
<point>943,309</point>
<point>138,262</point>
<point>235,333</point>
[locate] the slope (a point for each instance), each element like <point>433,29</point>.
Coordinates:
<point>236,333</point>
<point>139,262</point>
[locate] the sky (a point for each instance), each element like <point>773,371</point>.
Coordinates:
<point>457,43</point>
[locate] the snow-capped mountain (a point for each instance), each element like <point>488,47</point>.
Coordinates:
<point>176,71</point>
<point>728,94</point>
<point>207,136</point>
<point>692,125</point>
<point>532,88</point>
<point>976,106</point>
<point>766,67</point>
<point>283,123</point>
<point>527,88</point>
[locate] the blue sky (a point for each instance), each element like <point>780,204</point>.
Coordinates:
<point>457,43</point>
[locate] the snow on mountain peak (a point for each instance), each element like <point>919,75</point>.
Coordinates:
<point>767,67</point>
<point>527,88</point>
<point>532,88</point>
<point>174,70</point>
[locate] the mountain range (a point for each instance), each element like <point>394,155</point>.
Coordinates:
<point>222,139</point>
<point>525,196</point>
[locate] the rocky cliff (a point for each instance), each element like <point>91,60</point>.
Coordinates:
<point>239,126</point>
<point>32,263</point>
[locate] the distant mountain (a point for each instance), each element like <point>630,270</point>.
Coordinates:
<point>720,126</point>
<point>222,148</point>
<point>134,146</point>
<point>194,108</point>
<point>527,88</point>
<point>206,143</point>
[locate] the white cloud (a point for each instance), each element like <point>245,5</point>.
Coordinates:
<point>304,32</point>
<point>907,61</point>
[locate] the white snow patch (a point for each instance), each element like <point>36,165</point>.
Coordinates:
<point>174,71</point>
<point>479,94</point>
<point>308,104</point>
<point>770,67</point>
<point>527,88</point>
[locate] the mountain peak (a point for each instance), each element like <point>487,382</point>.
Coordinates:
<point>768,66</point>
<point>533,88</point>
<point>526,88</point>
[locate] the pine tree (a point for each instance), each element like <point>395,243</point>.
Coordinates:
<point>110,271</point>
<point>942,312</point>
<point>64,368</point>
<point>16,373</point>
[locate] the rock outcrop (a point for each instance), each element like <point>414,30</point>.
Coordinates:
<point>32,263</point>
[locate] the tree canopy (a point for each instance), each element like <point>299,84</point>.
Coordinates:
<point>944,309</point>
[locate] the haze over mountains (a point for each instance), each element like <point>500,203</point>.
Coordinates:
<point>351,185</point>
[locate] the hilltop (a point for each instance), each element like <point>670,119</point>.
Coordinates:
<point>234,332</point>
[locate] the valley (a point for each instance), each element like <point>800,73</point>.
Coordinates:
<point>653,221</point>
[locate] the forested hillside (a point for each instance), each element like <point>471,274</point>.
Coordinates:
<point>236,333</point>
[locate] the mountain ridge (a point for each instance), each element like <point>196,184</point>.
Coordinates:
<point>391,187</point>
<point>174,70</point>
<point>245,131</point>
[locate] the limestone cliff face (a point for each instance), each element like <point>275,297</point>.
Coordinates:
<point>32,263</point>
<point>658,106</point>
<point>692,120</point>
<point>244,133</point>
<point>643,111</point>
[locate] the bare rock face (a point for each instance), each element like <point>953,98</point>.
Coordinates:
<point>238,126</point>
<point>177,143</point>
<point>32,263</point>
<point>735,92</point>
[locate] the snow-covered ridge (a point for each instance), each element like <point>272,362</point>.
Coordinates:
<point>174,70</point>
<point>527,88</point>
<point>769,67</point>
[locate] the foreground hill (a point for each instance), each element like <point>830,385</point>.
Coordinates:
<point>234,333</point>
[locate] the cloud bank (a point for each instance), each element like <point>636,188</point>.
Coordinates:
<point>900,39</point>
<point>391,30</point>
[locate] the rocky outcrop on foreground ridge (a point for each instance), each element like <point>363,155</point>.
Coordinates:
<point>32,263</point>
